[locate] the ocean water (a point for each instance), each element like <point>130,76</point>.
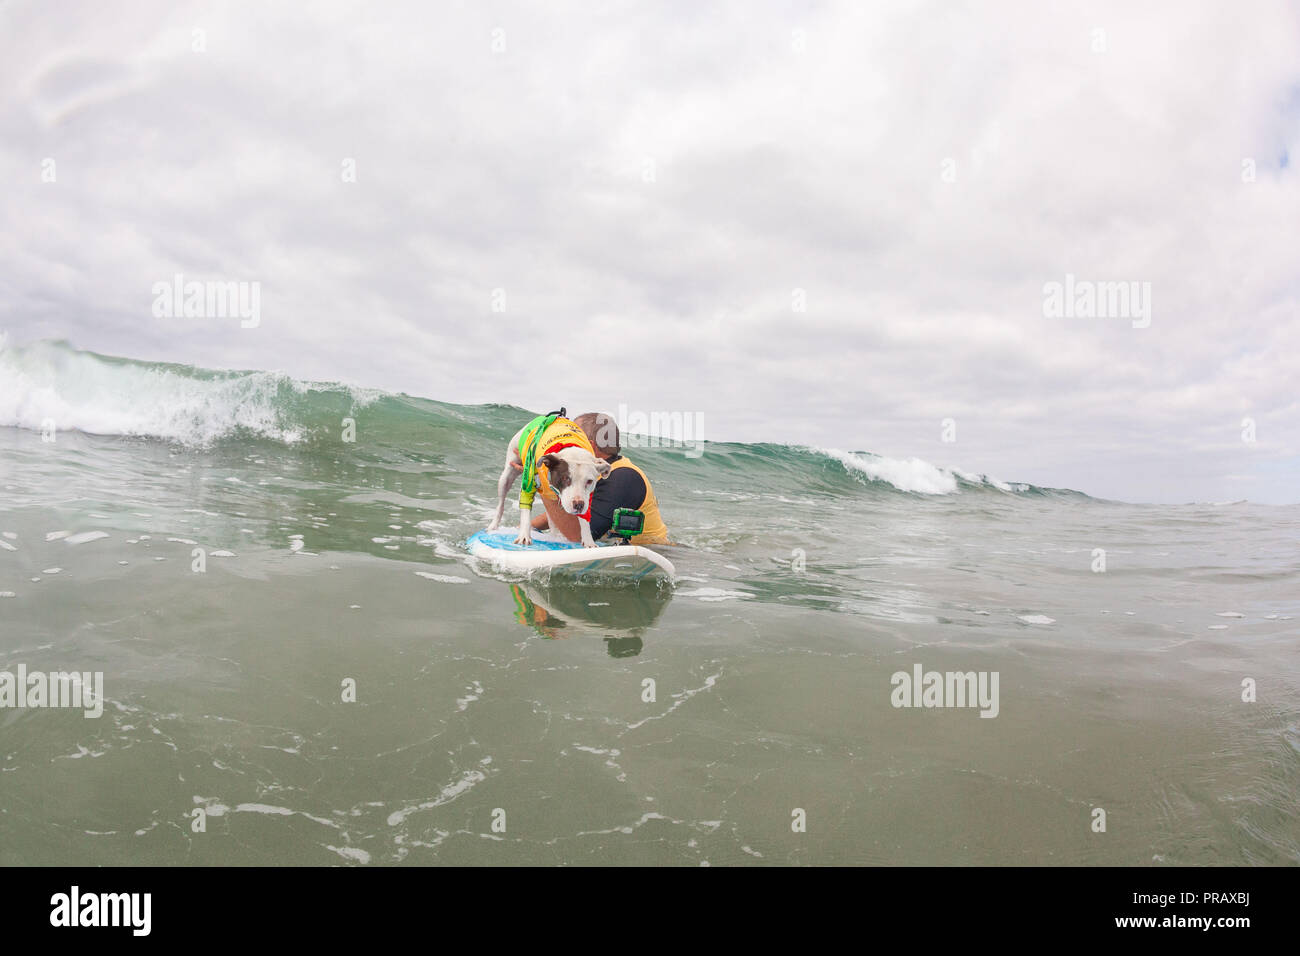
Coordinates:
<point>294,643</point>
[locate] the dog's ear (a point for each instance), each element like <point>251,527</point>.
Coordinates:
<point>557,471</point>
<point>602,467</point>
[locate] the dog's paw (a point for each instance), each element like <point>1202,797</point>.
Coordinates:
<point>589,544</point>
<point>524,540</point>
<point>493,526</point>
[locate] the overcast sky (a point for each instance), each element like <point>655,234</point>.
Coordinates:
<point>651,183</point>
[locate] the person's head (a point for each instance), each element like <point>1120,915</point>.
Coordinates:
<point>602,431</point>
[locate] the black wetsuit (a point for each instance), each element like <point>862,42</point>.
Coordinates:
<point>623,488</point>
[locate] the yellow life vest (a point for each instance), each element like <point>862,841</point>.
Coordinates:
<point>655,531</point>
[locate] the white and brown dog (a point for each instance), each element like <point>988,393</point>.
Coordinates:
<point>554,457</point>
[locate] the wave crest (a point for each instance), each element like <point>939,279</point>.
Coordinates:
<point>913,474</point>
<point>52,382</point>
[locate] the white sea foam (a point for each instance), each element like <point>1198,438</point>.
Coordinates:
<point>1037,619</point>
<point>351,853</point>
<point>448,793</point>
<point>444,578</point>
<point>85,536</point>
<point>713,594</point>
<point>476,693</point>
<point>51,382</point>
<point>912,474</point>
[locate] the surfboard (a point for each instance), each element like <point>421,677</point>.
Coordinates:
<point>558,557</point>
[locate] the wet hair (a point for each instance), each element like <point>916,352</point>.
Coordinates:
<point>601,431</point>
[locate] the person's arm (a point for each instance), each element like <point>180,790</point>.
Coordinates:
<point>541,523</point>
<point>624,488</point>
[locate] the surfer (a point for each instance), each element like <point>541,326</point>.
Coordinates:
<point>626,486</point>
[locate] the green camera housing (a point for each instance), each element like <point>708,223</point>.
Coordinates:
<point>628,523</point>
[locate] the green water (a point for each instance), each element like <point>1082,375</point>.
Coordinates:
<point>500,721</point>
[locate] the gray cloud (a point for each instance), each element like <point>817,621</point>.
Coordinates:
<point>664,177</point>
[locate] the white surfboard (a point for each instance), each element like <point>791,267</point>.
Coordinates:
<point>608,560</point>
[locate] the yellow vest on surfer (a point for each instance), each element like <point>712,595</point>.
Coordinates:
<point>655,531</point>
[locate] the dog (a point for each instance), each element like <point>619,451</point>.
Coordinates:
<point>555,457</point>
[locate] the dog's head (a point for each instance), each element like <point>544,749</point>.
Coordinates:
<point>572,474</point>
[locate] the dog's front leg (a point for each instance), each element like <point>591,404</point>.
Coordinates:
<point>584,529</point>
<point>525,526</point>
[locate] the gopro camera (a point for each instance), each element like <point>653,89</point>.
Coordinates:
<point>628,523</point>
